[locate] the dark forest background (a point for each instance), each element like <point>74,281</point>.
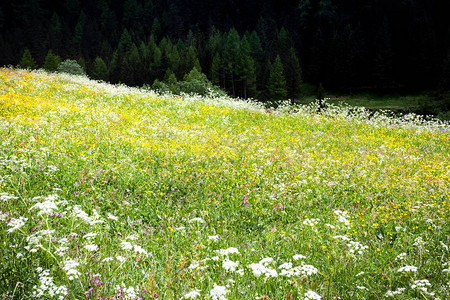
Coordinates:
<point>263,49</point>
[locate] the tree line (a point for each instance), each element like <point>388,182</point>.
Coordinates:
<point>263,49</point>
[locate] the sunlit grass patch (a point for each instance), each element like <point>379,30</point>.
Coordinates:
<point>110,191</point>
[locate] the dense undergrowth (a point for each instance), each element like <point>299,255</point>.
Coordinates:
<point>110,192</point>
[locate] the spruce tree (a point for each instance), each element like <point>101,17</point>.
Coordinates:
<point>100,69</point>
<point>293,74</point>
<point>246,69</point>
<point>52,62</point>
<point>277,81</point>
<point>27,61</point>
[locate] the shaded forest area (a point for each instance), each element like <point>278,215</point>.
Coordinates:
<point>263,49</point>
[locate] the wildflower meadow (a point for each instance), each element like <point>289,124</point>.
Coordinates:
<point>112,192</point>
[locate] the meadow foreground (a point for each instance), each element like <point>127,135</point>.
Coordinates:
<point>111,192</point>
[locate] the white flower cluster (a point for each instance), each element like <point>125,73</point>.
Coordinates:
<point>311,222</point>
<point>77,212</point>
<point>16,223</point>
<point>401,256</point>
<point>70,268</point>
<point>34,240</point>
<point>6,197</point>
<point>421,285</point>
<point>354,247</point>
<point>407,269</point>
<point>218,292</point>
<point>229,265</point>
<point>393,293</point>
<point>342,217</point>
<point>288,270</point>
<point>192,295</point>
<point>47,287</point>
<point>47,207</point>
<point>227,251</point>
<point>129,246</point>
<point>311,295</point>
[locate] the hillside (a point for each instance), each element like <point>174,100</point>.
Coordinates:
<point>111,191</point>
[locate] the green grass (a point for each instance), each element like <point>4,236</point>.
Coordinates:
<point>110,191</point>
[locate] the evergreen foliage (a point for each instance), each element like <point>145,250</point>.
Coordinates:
<point>347,45</point>
<point>100,69</point>
<point>52,62</point>
<point>277,81</point>
<point>27,61</point>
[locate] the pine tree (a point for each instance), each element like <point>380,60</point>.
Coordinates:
<point>230,56</point>
<point>27,61</point>
<point>79,30</point>
<point>52,62</point>
<point>277,81</point>
<point>293,74</point>
<point>246,69</point>
<point>216,66</point>
<point>100,69</point>
<point>170,80</point>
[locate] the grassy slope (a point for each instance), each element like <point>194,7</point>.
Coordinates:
<point>271,184</point>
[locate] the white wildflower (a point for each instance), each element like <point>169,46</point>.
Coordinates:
<point>266,261</point>
<point>218,292</point>
<point>106,259</point>
<point>213,237</point>
<point>91,248</point>
<point>311,295</point>
<point>111,217</point>
<point>421,285</point>
<point>401,256</point>
<point>140,250</point>
<point>46,207</point>
<point>120,258</point>
<point>229,265</point>
<point>311,222</point>
<point>69,267</point>
<point>343,237</point>
<point>298,256</point>
<point>286,266</point>
<point>407,269</point>
<point>192,295</point>
<point>16,223</point>
<point>180,228</point>
<point>198,220</point>
<point>228,251</point>
<point>126,245</point>
<point>342,217</point>
<point>90,235</point>
<point>393,293</point>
